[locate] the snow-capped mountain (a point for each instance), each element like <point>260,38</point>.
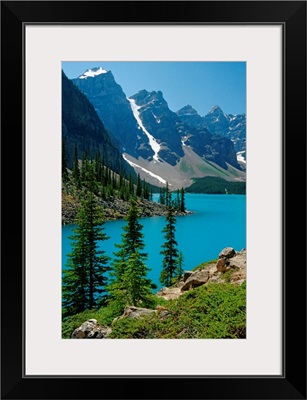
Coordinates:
<point>81,127</point>
<point>114,110</point>
<point>171,134</point>
<point>158,143</point>
<point>161,123</point>
<point>90,73</point>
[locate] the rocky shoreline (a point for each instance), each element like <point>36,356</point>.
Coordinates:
<point>113,208</point>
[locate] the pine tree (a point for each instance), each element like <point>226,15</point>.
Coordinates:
<point>179,269</point>
<point>168,195</point>
<point>121,177</point>
<point>84,280</point>
<point>114,181</point>
<point>130,285</point>
<point>98,167</point>
<point>75,170</point>
<point>182,200</point>
<point>75,277</point>
<point>177,203</point>
<point>137,285</point>
<point>131,186</point>
<point>138,187</point>
<point>64,162</point>
<point>170,251</point>
<point>162,196</point>
<point>145,190</point>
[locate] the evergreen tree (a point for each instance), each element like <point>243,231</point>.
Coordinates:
<point>145,191</point>
<point>170,251</point>
<point>137,286</point>
<point>162,196</point>
<point>75,170</point>
<point>131,186</point>
<point>64,162</point>
<point>98,167</point>
<point>168,195</point>
<point>84,280</point>
<point>182,200</point>
<point>110,178</point>
<point>121,177</point>
<point>75,277</point>
<point>138,187</point>
<point>179,269</point>
<point>130,285</point>
<point>83,168</point>
<point>177,203</point>
<point>114,181</point>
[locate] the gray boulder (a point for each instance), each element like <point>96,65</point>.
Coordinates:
<point>91,330</point>
<point>198,278</point>
<point>135,312</point>
<point>228,252</point>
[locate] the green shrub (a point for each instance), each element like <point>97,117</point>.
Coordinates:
<point>209,312</point>
<point>103,315</point>
<point>213,311</point>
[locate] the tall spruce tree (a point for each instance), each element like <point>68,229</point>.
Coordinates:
<point>170,251</point>
<point>179,268</point>
<point>138,187</point>
<point>75,170</point>
<point>130,284</point>
<point>162,196</point>
<point>131,186</point>
<point>64,162</point>
<point>168,195</point>
<point>84,279</point>
<point>182,200</point>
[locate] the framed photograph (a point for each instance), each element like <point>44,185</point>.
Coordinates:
<point>154,162</point>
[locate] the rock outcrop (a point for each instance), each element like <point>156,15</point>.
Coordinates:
<point>169,293</point>
<point>138,312</point>
<point>223,263</point>
<point>91,330</point>
<point>135,312</point>
<point>228,252</point>
<point>198,278</point>
<point>230,261</point>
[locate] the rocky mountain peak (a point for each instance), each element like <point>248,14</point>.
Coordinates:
<point>93,72</point>
<point>187,110</point>
<point>216,110</point>
<point>143,97</point>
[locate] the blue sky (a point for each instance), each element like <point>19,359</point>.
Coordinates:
<point>200,84</point>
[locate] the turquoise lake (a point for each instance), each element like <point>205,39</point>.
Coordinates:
<point>218,221</point>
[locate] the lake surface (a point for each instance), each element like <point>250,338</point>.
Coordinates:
<point>218,221</point>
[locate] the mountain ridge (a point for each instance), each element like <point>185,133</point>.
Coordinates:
<point>231,126</point>
<point>157,142</point>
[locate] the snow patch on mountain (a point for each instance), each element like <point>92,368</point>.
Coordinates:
<point>145,170</point>
<point>152,141</point>
<point>240,156</point>
<point>90,73</point>
<point>156,118</point>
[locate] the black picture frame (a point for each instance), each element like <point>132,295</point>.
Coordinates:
<point>292,16</point>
